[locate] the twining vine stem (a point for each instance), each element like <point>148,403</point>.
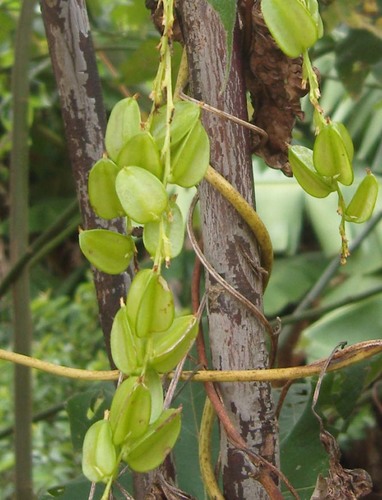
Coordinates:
<point>347,357</point>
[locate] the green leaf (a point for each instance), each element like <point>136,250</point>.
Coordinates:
<point>302,454</point>
<point>227,13</point>
<point>86,408</point>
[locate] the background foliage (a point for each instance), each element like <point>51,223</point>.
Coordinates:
<point>304,232</point>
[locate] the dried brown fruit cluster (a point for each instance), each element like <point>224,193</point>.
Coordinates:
<point>274,82</point>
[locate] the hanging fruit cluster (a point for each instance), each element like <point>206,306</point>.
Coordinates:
<point>147,339</point>
<point>296,26</point>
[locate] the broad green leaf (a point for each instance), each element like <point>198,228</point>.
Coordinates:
<point>344,324</point>
<point>86,408</point>
<point>227,13</point>
<point>302,455</point>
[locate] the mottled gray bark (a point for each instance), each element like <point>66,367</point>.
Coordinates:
<point>74,65</point>
<point>237,339</point>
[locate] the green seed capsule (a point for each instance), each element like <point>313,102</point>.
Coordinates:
<point>108,251</point>
<point>291,25</point>
<point>99,457</point>
<point>150,304</point>
<point>301,161</point>
<point>332,153</point>
<point>101,186</point>
<point>126,348</point>
<point>361,206</point>
<point>190,158</point>
<point>186,114</point>
<point>130,411</point>
<point>169,347</point>
<point>173,234</point>
<point>142,196</point>
<point>153,447</point>
<point>314,11</point>
<point>141,151</point>
<point>124,123</point>
<point>154,384</point>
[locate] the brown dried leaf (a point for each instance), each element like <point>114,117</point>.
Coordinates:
<point>274,82</point>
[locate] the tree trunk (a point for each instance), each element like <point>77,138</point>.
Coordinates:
<point>237,339</point>
<point>74,65</point>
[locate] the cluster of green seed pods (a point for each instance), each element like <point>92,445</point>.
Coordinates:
<point>295,25</point>
<point>322,171</point>
<point>131,181</point>
<point>147,338</point>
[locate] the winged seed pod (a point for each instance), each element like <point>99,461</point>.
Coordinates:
<point>361,206</point>
<point>185,115</point>
<point>124,122</point>
<point>154,383</point>
<point>99,457</point>
<point>150,303</point>
<point>142,196</point>
<point>301,161</point>
<point>333,153</point>
<point>173,233</point>
<point>126,348</point>
<point>294,28</point>
<point>190,157</point>
<point>142,151</point>
<point>108,251</point>
<point>151,449</point>
<point>169,347</point>
<point>130,411</point>
<point>101,188</point>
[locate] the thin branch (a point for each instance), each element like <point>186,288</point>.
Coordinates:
<point>348,356</point>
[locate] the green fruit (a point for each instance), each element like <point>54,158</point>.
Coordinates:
<point>124,123</point>
<point>293,27</point>
<point>332,153</point>
<point>108,251</point>
<point>190,158</point>
<point>185,115</point>
<point>154,384</point>
<point>301,161</point>
<point>315,13</point>
<point>173,234</point>
<point>361,206</point>
<point>150,304</point>
<point>130,411</point>
<point>99,457</point>
<point>101,187</point>
<point>153,447</point>
<point>141,151</point>
<point>142,195</point>
<point>126,348</point>
<point>168,348</point>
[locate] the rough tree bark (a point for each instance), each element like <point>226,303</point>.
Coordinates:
<point>237,339</point>
<point>74,65</point>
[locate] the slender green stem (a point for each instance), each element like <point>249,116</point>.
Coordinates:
<point>22,323</point>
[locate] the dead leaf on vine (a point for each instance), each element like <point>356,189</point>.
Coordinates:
<point>274,82</point>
